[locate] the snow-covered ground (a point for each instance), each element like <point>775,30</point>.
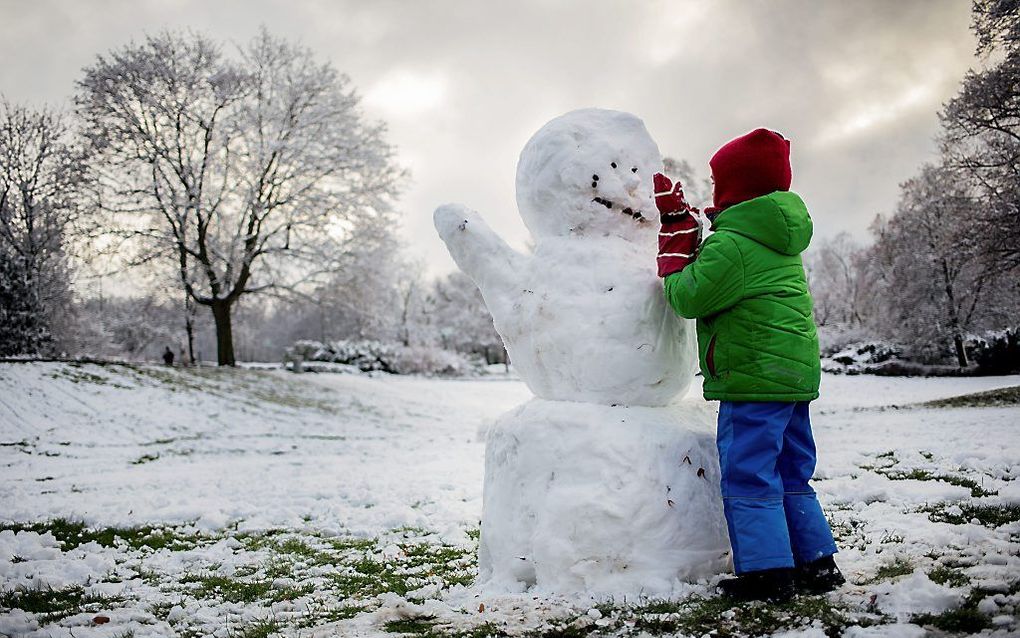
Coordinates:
<point>241,502</point>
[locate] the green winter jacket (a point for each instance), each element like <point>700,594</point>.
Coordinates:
<point>748,291</point>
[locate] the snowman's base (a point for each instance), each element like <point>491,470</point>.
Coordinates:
<point>603,500</point>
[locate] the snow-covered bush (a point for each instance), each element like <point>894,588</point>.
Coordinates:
<point>861,357</point>
<point>835,337</point>
<point>378,356</point>
<point>996,352</point>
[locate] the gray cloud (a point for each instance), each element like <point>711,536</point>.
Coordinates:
<point>855,85</point>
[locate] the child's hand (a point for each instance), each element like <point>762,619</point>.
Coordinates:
<point>669,197</point>
<point>679,235</point>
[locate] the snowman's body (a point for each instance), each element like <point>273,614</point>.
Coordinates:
<point>593,332</point>
<point>601,468</point>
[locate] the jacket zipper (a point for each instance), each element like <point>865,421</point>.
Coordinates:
<point>710,356</point>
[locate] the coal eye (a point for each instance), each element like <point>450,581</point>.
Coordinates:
<point>633,170</point>
<point>613,164</point>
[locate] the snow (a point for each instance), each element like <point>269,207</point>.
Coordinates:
<point>589,331</point>
<point>916,594</point>
<point>267,448</point>
<point>603,501</point>
<point>331,454</point>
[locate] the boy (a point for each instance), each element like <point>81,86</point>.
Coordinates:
<point>759,356</point>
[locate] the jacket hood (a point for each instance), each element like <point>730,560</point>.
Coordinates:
<point>779,220</point>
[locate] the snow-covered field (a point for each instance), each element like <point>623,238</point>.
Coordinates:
<point>247,502</point>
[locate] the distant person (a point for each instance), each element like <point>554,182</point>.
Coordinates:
<point>168,356</point>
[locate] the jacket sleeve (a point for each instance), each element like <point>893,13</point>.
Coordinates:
<point>710,284</point>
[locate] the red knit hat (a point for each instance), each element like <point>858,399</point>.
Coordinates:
<point>750,166</point>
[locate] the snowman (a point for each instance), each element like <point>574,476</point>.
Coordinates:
<point>603,483</point>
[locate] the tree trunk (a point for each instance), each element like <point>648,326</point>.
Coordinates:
<point>224,334</point>
<point>189,326</point>
<point>961,352</point>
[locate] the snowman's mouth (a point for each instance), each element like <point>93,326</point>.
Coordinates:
<point>636,214</point>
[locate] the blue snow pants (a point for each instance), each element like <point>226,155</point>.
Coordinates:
<point>767,456</point>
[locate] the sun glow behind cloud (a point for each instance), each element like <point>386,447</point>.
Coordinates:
<point>403,93</point>
<point>876,113</point>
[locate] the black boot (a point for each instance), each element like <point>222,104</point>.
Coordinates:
<point>818,577</point>
<point>772,585</point>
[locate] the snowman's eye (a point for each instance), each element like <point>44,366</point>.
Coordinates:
<point>613,164</point>
<point>633,170</point>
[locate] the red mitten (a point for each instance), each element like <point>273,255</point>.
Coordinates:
<point>679,235</point>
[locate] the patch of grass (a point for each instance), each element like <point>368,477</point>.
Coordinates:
<point>161,609</point>
<point>254,541</point>
<point>241,590</point>
<point>487,630</point>
<point>55,604</point>
<point>898,567</point>
<point>917,474</point>
<point>964,621</point>
<point>72,533</point>
<point>849,532</point>
<point>327,614</point>
<point>147,458</point>
<point>259,629</point>
<point>368,577</point>
<point>990,398</point>
<point>949,576</point>
<point>298,547</point>
<point>414,626</point>
<point>75,374</point>
<point>173,378</point>
<point>351,543</point>
<point>425,628</point>
<point>294,400</point>
<point>720,616</point>
<point>987,515</point>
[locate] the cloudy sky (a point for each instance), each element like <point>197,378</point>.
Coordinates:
<point>854,84</point>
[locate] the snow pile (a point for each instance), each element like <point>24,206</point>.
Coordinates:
<point>915,594</point>
<point>34,561</point>
<point>584,498</point>
<point>599,485</point>
<point>378,356</point>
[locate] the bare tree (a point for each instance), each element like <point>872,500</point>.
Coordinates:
<point>246,173</point>
<point>935,286</point>
<point>836,272</point>
<point>41,180</point>
<point>457,317</point>
<point>981,132</point>
<point>697,190</point>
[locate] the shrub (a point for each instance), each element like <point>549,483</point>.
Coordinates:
<point>378,356</point>
<point>996,352</point>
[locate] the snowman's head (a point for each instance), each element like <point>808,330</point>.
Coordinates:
<point>589,172</point>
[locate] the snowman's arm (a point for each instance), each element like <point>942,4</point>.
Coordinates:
<point>478,251</point>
